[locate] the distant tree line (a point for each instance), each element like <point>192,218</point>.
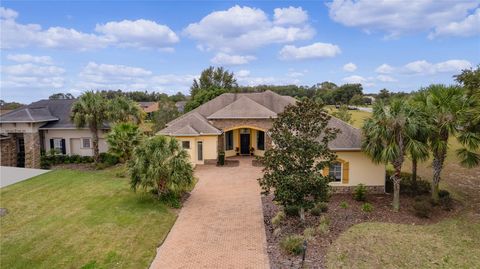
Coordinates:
<point>9,105</point>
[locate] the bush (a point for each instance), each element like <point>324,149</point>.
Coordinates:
<point>422,207</point>
<point>319,208</point>
<point>445,200</point>
<point>292,244</point>
<point>323,226</point>
<point>292,210</point>
<point>278,218</point>
<point>367,207</point>
<point>221,158</point>
<point>75,158</point>
<point>309,233</point>
<point>360,192</point>
<point>406,185</point>
<point>344,205</point>
<point>108,159</point>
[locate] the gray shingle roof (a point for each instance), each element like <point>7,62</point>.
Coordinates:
<point>191,124</point>
<point>31,113</point>
<point>243,108</point>
<point>349,137</point>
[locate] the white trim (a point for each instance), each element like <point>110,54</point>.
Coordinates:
<point>82,145</point>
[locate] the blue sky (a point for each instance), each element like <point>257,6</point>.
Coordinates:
<point>75,46</point>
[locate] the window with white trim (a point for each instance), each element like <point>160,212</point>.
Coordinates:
<point>86,143</point>
<point>335,171</point>
<point>57,145</point>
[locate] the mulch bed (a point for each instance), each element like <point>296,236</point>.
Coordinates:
<point>340,220</point>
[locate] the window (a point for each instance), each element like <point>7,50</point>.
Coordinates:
<point>336,171</point>
<point>229,140</point>
<point>200,150</point>
<point>186,144</point>
<point>86,143</point>
<point>260,140</point>
<point>58,145</point>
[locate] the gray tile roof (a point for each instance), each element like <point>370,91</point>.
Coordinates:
<point>55,114</point>
<point>349,137</point>
<point>191,124</point>
<point>243,108</point>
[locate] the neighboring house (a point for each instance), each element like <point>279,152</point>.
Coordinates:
<point>149,107</point>
<point>238,124</point>
<point>43,126</point>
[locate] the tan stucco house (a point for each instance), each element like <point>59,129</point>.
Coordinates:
<point>43,125</point>
<point>238,124</point>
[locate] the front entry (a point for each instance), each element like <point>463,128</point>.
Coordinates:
<point>245,144</point>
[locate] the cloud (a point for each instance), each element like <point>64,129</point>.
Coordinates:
<point>396,17</point>
<point>245,28</point>
<point>242,73</point>
<point>29,75</point>
<point>226,59</point>
<point>469,26</point>
<point>111,77</point>
<point>315,50</point>
<point>27,58</point>
<point>350,67</point>
<point>384,69</point>
<point>423,67</point>
<point>356,79</point>
<point>140,33</point>
<point>290,15</point>
<point>385,78</point>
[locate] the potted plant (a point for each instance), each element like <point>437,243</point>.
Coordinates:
<point>251,151</point>
<point>237,150</point>
<point>221,158</point>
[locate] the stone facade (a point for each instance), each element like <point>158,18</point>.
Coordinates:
<point>351,189</point>
<point>32,150</point>
<point>8,146</point>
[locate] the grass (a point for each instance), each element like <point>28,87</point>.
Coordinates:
<point>73,219</point>
<point>452,243</point>
<point>358,116</point>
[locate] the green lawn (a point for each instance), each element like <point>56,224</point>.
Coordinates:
<point>357,116</point>
<point>72,219</point>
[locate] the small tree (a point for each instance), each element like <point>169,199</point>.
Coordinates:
<point>160,163</point>
<point>344,114</point>
<point>167,111</point>
<point>293,166</point>
<point>122,139</point>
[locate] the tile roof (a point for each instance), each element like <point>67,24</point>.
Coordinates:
<point>243,108</point>
<point>191,124</point>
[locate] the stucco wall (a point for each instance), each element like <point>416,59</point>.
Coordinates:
<point>362,170</point>
<point>73,143</point>
<point>209,147</point>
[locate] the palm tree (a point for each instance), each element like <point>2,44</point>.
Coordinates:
<point>123,109</point>
<point>90,110</point>
<point>122,139</point>
<point>161,163</point>
<point>450,114</point>
<point>389,135</point>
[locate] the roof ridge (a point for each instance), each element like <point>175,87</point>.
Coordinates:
<point>346,123</point>
<point>28,113</point>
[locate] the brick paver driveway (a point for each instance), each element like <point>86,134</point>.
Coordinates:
<point>221,224</point>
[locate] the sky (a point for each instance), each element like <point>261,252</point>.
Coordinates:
<point>74,46</point>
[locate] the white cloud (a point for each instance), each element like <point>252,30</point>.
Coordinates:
<point>354,79</point>
<point>295,74</point>
<point>30,76</point>
<point>140,33</point>
<point>290,15</point>
<point>397,17</point>
<point>425,68</point>
<point>227,59</point>
<point>384,69</point>
<point>385,78</point>
<point>27,58</point>
<point>350,67</point>
<point>315,50</point>
<point>242,73</point>
<point>467,27</point>
<point>242,29</point>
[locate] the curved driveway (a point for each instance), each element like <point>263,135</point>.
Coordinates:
<point>221,224</point>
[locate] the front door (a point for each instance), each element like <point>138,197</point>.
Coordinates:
<point>244,144</point>
<point>20,152</point>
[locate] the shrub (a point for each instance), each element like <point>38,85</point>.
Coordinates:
<point>445,200</point>
<point>360,193</point>
<point>319,208</point>
<point>367,207</point>
<point>323,226</point>
<point>75,158</point>
<point>406,185</point>
<point>309,233</point>
<point>316,211</point>
<point>292,210</point>
<point>279,217</point>
<point>344,205</point>
<point>108,159</point>
<point>292,244</point>
<point>422,207</point>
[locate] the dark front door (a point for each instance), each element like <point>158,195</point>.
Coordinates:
<point>244,144</point>
<point>20,152</point>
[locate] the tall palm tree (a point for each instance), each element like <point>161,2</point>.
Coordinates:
<point>450,113</point>
<point>123,109</point>
<point>389,134</point>
<point>90,110</point>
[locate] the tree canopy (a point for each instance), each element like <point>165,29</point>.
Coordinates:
<point>61,96</point>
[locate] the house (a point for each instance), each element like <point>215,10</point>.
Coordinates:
<point>238,124</point>
<point>149,107</point>
<point>43,126</point>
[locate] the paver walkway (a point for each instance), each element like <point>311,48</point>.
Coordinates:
<point>221,224</point>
